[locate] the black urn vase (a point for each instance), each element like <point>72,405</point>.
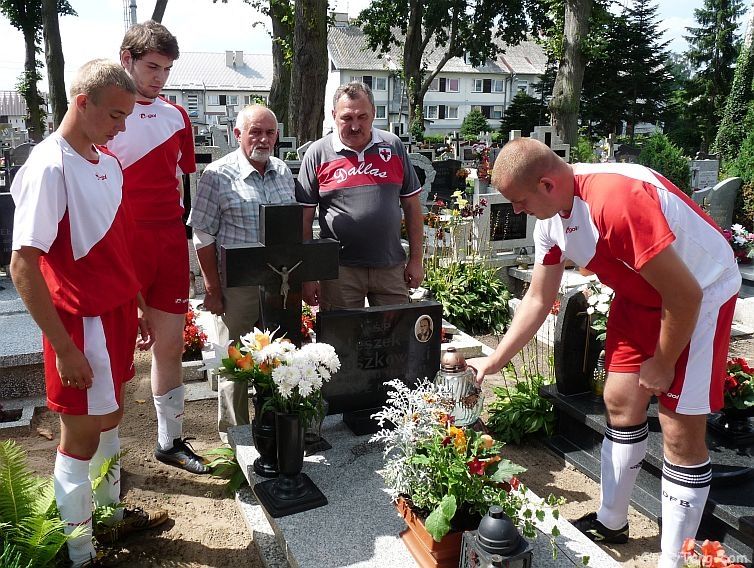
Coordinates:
<point>263,434</point>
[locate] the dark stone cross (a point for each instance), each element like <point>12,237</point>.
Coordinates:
<point>279,264</point>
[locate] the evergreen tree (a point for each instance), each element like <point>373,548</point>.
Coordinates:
<point>647,83</point>
<point>714,47</point>
<point>524,113</point>
<point>474,123</point>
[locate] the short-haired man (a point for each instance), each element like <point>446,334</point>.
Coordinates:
<point>155,150</point>
<point>72,266</point>
<point>675,282</point>
<point>358,176</point>
<point>226,212</point>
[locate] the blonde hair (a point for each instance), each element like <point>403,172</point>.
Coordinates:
<point>522,162</point>
<point>245,114</point>
<point>97,74</point>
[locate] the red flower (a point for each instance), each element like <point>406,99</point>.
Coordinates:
<point>446,440</point>
<point>515,482</point>
<point>476,466</point>
<point>731,383</point>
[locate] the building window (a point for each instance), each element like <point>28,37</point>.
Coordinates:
<point>452,112</point>
<point>452,85</point>
<point>380,111</point>
<point>478,86</point>
<point>430,111</point>
<point>192,105</point>
<point>522,87</point>
<point>435,84</point>
<point>497,85</point>
<point>497,112</point>
<point>170,98</point>
<point>380,84</point>
<point>476,107</point>
<point>232,100</point>
<point>213,120</point>
<point>213,100</point>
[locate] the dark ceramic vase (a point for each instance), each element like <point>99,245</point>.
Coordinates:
<point>263,434</point>
<point>290,456</point>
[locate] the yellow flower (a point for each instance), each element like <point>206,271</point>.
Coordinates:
<point>261,340</point>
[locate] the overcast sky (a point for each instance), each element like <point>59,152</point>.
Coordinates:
<point>201,25</point>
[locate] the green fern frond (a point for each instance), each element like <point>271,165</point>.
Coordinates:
<point>42,539</point>
<point>11,557</point>
<point>17,484</point>
<point>106,469</point>
<point>44,503</point>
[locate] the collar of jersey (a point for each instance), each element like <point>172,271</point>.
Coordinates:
<point>246,169</point>
<point>338,146</point>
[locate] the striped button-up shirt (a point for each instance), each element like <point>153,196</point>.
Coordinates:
<point>229,193</point>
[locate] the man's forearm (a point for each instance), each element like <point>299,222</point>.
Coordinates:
<point>308,232</point>
<point>207,256</point>
<point>414,227</point>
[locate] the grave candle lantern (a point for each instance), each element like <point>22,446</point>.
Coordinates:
<point>496,543</point>
<point>459,379</point>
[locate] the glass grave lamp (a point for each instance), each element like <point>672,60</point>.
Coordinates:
<point>460,380</point>
<point>523,260</point>
<point>496,543</point>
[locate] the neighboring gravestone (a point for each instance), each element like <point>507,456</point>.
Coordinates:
<point>446,179</point>
<point>376,345</point>
<point>704,173</point>
<point>499,228</point>
<point>493,156</point>
<point>627,153</point>
<point>468,156</point>
<point>220,139</point>
<point>426,174</point>
<point>721,201</point>
<point>285,144</point>
<point>301,150</point>
<point>549,136</point>
<point>428,153</point>
<point>279,264</point>
<point>20,153</point>
<point>7,209</point>
<point>576,349</point>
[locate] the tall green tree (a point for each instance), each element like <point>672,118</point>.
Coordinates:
<point>713,48</point>
<point>26,16</point>
<point>449,28</point>
<point>524,113</point>
<point>645,76</point>
<point>54,60</point>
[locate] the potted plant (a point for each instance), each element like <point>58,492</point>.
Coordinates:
<point>443,478</point>
<point>194,338</point>
<point>742,243</point>
<point>599,298</point>
<point>709,553</point>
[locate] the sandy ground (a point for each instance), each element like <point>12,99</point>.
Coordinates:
<point>205,528</point>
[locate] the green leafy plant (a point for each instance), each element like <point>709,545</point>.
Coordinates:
<point>583,152</point>
<point>224,465</point>
<point>660,154</point>
<point>103,514</point>
<point>518,409</point>
<point>474,123</point>
<point>449,475</point>
<point>739,384</point>
<point>32,532</point>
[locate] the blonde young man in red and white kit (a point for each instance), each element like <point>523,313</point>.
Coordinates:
<point>675,282</point>
<point>156,149</point>
<point>72,265</point>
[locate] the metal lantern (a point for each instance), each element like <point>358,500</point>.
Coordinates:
<point>523,260</point>
<point>496,543</point>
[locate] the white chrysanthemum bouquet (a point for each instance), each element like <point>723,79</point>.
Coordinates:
<point>599,298</point>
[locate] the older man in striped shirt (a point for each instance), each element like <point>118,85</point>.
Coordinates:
<point>226,212</point>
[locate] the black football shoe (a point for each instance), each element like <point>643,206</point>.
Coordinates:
<point>595,530</point>
<point>182,455</point>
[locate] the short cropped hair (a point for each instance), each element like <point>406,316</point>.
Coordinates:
<point>97,74</point>
<point>353,90</point>
<point>246,112</point>
<point>141,39</point>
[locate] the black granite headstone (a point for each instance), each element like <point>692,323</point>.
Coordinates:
<point>376,345</point>
<point>279,264</point>
<point>505,224</point>
<point>576,347</point>
<point>7,209</point>
<point>446,180</point>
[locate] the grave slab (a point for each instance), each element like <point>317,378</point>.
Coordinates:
<point>361,524</point>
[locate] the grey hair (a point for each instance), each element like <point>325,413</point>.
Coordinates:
<point>353,90</point>
<point>246,112</point>
<point>97,74</point>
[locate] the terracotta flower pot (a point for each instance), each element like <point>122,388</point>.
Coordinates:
<point>425,550</point>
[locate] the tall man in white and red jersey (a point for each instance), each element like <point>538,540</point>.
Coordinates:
<point>156,149</point>
<point>72,265</point>
<point>361,177</point>
<point>675,282</point>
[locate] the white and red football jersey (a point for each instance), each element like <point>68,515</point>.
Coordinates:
<point>73,210</point>
<point>155,150</point>
<point>625,214</point>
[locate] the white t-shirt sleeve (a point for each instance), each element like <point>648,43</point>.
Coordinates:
<point>39,193</point>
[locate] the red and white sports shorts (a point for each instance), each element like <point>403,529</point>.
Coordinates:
<point>162,266</point>
<point>108,342</point>
<point>697,388</point>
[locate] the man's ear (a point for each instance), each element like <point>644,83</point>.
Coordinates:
<point>126,59</point>
<point>81,101</point>
<point>237,133</point>
<point>547,183</point>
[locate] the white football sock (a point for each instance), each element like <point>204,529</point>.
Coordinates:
<point>73,495</point>
<point>108,492</point>
<point>169,407</point>
<point>623,451</point>
<point>684,493</point>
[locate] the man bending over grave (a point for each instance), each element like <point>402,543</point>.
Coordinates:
<point>675,282</point>
<point>156,149</point>
<point>226,212</point>
<point>358,176</point>
<point>72,265</point>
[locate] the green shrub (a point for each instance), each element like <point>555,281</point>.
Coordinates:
<point>416,128</point>
<point>583,152</point>
<point>472,296</point>
<point>660,154</point>
<point>474,123</point>
<point>744,209</point>
<point>434,138</point>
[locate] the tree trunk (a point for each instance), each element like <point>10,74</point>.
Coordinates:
<point>412,54</point>
<point>566,92</point>
<point>281,70</point>
<point>159,10</point>
<point>34,114</point>
<point>55,61</point>
<point>309,70</point>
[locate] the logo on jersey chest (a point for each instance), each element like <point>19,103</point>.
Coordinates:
<point>570,230</point>
<point>102,177</point>
<point>385,154</point>
<point>342,174</point>
<point>148,115</point>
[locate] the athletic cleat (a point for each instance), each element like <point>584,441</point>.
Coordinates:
<point>182,455</point>
<point>595,530</point>
<point>134,520</point>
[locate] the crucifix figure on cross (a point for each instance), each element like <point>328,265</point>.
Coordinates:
<point>283,273</point>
